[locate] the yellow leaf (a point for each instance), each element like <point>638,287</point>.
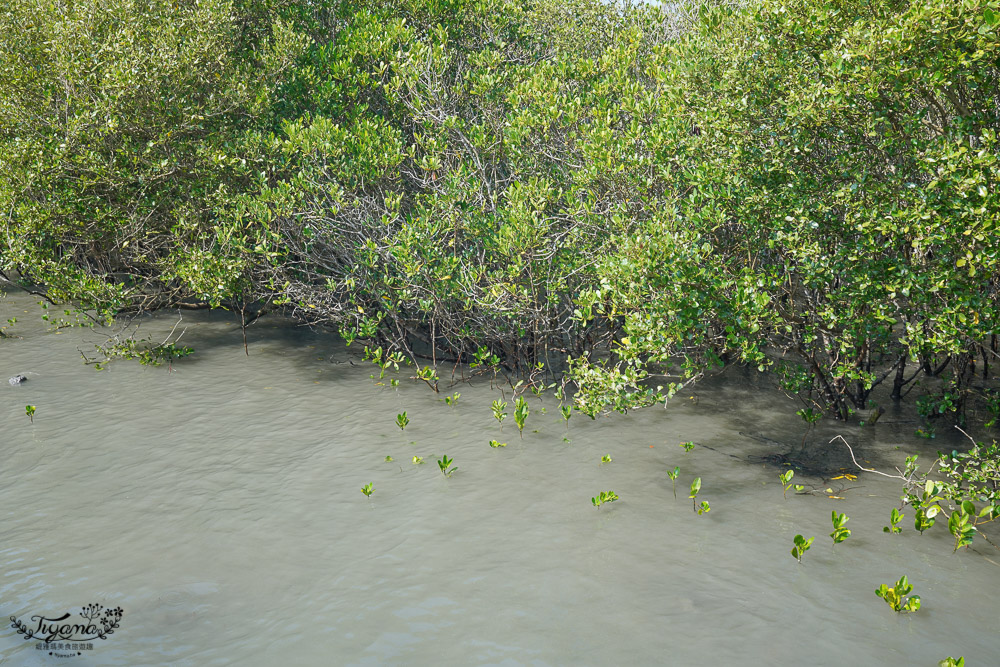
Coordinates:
<point>836,497</point>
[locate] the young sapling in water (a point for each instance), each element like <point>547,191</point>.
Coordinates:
<point>443,464</point>
<point>839,533</point>
<point>893,596</point>
<point>499,411</point>
<point>801,545</point>
<point>672,474</point>
<point>520,414</point>
<point>695,488</point>
<point>894,518</point>
<point>604,497</point>
<point>786,481</point>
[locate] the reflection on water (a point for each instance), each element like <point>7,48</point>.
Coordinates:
<point>220,506</point>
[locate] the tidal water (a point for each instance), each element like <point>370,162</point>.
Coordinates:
<point>218,503</point>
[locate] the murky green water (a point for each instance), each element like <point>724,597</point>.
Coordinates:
<point>220,507</point>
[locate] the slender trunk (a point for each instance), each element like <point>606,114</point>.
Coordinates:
<point>898,381</point>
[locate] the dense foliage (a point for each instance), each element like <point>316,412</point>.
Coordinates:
<point>620,193</point>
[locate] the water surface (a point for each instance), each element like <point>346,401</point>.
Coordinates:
<point>219,505</point>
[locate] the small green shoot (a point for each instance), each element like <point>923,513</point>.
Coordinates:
<point>520,414</point>
<point>604,497</point>
<point>894,518</point>
<point>452,400</point>
<point>672,474</point>
<point>30,411</point>
<point>952,662</point>
<point>606,458</point>
<point>704,508</point>
<point>567,411</point>
<point>893,596</point>
<point>839,533</point>
<point>417,460</point>
<point>786,481</point>
<point>695,488</point>
<point>494,444</point>
<point>388,459</point>
<point>443,463</point>
<point>499,413</point>
<point>402,420</point>
<point>368,489</point>
<point>801,546</point>
<point>688,446</point>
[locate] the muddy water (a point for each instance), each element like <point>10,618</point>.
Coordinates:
<point>219,506</point>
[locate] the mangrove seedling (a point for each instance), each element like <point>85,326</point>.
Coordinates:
<point>567,411</point>
<point>839,533</point>
<point>801,546</point>
<point>893,596</point>
<point>606,458</point>
<point>443,463</point>
<point>520,414</point>
<point>810,417</point>
<point>388,459</point>
<point>402,420</point>
<point>672,474</point>
<point>894,518</point>
<point>952,662</point>
<point>494,444</point>
<point>368,489</point>
<point>499,413</point>
<point>453,399</point>
<point>695,488</point>
<point>688,446</point>
<point>703,508</point>
<point>417,460</point>
<point>30,411</point>
<point>604,497</point>
<point>786,481</point>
